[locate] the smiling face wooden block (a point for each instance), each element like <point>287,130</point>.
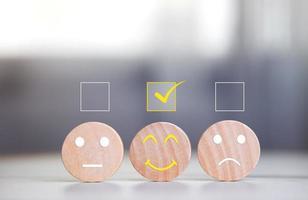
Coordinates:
<point>92,152</point>
<point>228,150</point>
<point>160,151</point>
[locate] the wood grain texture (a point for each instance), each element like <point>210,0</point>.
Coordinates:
<point>92,162</point>
<point>160,151</point>
<point>235,156</point>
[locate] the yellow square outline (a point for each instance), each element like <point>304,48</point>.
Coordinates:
<point>147,96</point>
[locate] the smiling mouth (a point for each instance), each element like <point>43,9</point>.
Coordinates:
<point>161,169</point>
<point>92,165</point>
<point>229,159</point>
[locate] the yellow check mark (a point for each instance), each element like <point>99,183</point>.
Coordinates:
<point>164,99</point>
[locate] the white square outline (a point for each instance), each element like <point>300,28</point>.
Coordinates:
<point>80,96</point>
<point>243,109</point>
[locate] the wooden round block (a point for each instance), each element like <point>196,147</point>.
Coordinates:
<point>160,151</point>
<point>92,152</point>
<point>228,150</point>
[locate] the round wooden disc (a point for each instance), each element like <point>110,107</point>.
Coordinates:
<point>228,150</point>
<point>92,152</point>
<point>160,151</point>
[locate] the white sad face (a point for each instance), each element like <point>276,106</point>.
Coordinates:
<point>228,150</point>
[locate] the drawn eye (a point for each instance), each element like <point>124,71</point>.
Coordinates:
<point>171,136</point>
<point>217,139</point>
<point>79,141</point>
<point>104,142</point>
<point>241,139</point>
<point>148,137</point>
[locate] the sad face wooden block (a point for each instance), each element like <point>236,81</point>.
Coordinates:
<point>92,152</point>
<point>228,150</point>
<point>160,151</point>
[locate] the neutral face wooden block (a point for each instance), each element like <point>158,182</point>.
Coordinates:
<point>92,152</point>
<point>160,151</point>
<point>228,150</point>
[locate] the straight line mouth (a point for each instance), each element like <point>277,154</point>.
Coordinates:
<point>92,165</point>
<point>229,159</point>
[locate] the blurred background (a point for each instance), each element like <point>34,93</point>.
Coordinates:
<point>47,47</point>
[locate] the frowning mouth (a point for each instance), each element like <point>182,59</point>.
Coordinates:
<point>92,165</point>
<point>229,159</point>
<point>161,169</point>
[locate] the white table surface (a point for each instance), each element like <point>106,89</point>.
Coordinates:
<point>279,175</point>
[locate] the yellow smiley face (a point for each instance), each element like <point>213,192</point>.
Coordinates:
<point>148,161</point>
<point>160,151</point>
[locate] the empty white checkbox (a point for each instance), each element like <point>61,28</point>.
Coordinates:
<point>94,96</point>
<point>229,96</point>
